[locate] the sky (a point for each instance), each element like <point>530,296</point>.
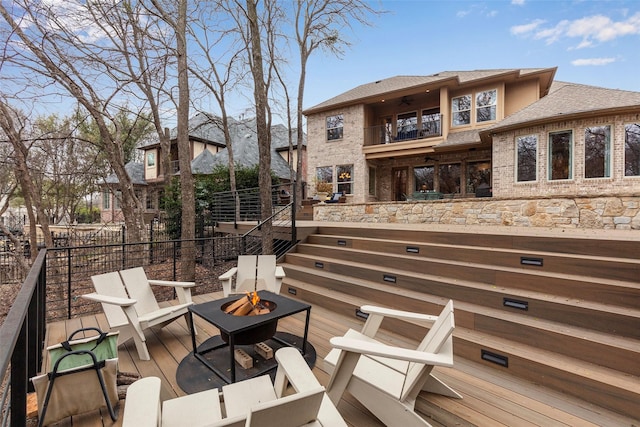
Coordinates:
<point>590,42</point>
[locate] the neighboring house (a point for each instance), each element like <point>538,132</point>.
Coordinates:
<point>506,133</point>
<point>208,150</point>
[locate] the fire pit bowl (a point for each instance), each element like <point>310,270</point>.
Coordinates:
<point>253,335</point>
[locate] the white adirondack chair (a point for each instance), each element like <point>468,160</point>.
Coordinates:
<point>387,379</point>
<point>254,402</point>
<point>254,272</point>
<point>133,312</point>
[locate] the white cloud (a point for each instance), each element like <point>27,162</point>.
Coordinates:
<point>517,2</point>
<point>591,30</point>
<point>592,61</point>
<point>526,28</point>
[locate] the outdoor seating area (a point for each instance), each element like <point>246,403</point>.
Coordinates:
<point>131,307</point>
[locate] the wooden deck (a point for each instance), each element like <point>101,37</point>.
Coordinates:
<point>490,397</point>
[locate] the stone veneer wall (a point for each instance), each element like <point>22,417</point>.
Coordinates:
<point>621,212</point>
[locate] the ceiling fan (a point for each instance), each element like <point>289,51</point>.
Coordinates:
<point>406,100</point>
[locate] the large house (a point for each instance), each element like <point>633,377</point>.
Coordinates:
<point>208,150</point>
<point>459,134</point>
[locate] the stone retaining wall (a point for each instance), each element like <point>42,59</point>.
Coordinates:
<point>616,212</point>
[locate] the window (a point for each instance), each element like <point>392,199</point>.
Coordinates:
<point>345,178</point>
<point>324,174</point>
<point>334,127</point>
<point>527,158</point>
<point>461,110</point>
<point>430,122</point>
<point>106,199</point>
<point>151,159</point>
<point>423,178</point>
<point>560,155</point>
<point>449,178</point>
<point>632,149</point>
<point>486,105</point>
<point>478,176</point>
<point>597,152</point>
<point>372,181</point>
<point>407,125</point>
<point>118,199</point>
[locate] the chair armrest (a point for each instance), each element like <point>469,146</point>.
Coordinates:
<point>280,272</point>
<point>142,401</point>
<point>229,274</point>
<point>122,302</point>
<point>398,314</point>
<point>383,350</point>
<point>293,369</point>
<point>172,283</point>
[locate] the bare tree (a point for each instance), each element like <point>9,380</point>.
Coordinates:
<point>318,24</point>
<point>49,44</point>
<point>177,21</point>
<point>14,127</point>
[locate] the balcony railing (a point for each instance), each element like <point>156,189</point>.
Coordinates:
<point>383,134</point>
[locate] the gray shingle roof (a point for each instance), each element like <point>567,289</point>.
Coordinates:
<point>569,99</point>
<point>245,149</point>
<point>393,84</point>
<point>135,170</point>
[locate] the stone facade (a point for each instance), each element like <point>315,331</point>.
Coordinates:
<point>620,212</point>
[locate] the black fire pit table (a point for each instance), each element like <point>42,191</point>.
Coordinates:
<point>240,329</point>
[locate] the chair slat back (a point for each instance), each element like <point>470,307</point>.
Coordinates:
<point>267,271</point>
<point>291,411</point>
<point>137,284</point>
<point>436,338</point>
<point>110,284</point>
<point>246,275</point>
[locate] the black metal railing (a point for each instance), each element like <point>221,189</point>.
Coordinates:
<point>22,338</point>
<point>383,134</point>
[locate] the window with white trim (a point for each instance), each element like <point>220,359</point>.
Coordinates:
<point>461,110</point>
<point>486,103</point>
<point>335,125</point>
<point>344,174</point>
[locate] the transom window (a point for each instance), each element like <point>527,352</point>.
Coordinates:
<point>561,155</point>
<point>526,158</point>
<point>597,152</point>
<point>461,110</point>
<point>632,149</point>
<point>335,126</point>
<point>486,105</point>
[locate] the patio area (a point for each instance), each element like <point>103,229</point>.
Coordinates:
<point>490,398</point>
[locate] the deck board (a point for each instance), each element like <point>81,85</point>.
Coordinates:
<point>490,398</point>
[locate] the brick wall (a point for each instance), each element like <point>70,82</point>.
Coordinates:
<point>504,155</point>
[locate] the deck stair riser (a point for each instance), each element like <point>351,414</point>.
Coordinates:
<point>621,322</point>
<point>592,266</point>
<point>538,279</point>
<point>603,349</point>
<point>568,320</point>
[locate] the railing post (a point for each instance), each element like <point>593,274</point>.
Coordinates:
<point>151,246</point>
<point>124,254</point>
<point>175,262</point>
<point>19,379</point>
<point>294,208</point>
<point>68,283</point>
